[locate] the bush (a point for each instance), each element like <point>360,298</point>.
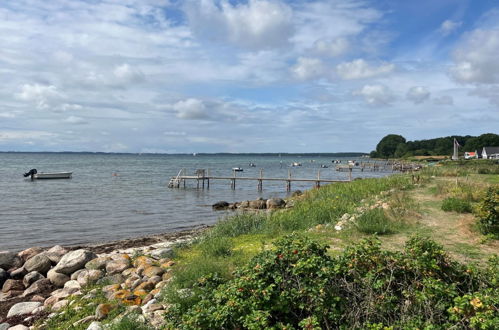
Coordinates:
<point>456,205</point>
<point>487,212</point>
<point>216,246</point>
<point>298,285</point>
<point>375,221</point>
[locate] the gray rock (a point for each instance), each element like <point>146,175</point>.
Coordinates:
<point>31,278</point>
<point>57,279</point>
<point>258,204</point>
<point>222,205</point>
<point>40,286</point>
<point>75,275</point>
<point>95,326</point>
<point>18,273</point>
<point>56,253</point>
<point>9,260</point>
<point>23,308</point>
<point>297,193</point>
<point>163,253</point>
<point>4,276</point>
<point>275,203</point>
<point>117,266</point>
<point>39,263</point>
<point>72,285</point>
<point>4,326</point>
<point>112,279</point>
<point>90,276</point>
<point>73,261</point>
<point>97,263</point>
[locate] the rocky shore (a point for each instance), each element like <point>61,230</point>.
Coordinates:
<point>37,283</point>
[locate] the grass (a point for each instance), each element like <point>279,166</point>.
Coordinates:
<point>452,204</point>
<point>375,221</point>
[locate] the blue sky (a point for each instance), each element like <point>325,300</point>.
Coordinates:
<point>174,76</point>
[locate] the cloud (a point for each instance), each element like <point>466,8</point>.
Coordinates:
<point>475,59</point>
<point>443,100</point>
<point>418,94</point>
<point>75,120</point>
<point>258,24</point>
<point>308,68</point>
<point>359,69</point>
<point>448,27</point>
<point>127,73</point>
<point>331,48</point>
<point>191,109</point>
<point>490,93</point>
<point>376,94</point>
<point>44,96</point>
<point>24,135</point>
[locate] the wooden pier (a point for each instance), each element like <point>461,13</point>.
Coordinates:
<point>203,179</point>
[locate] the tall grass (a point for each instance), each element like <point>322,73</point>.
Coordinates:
<point>457,205</point>
<point>375,221</point>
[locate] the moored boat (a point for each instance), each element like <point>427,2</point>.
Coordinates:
<point>34,174</point>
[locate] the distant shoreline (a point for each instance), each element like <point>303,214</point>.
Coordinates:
<point>311,154</point>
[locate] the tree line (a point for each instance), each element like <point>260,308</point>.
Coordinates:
<point>396,146</point>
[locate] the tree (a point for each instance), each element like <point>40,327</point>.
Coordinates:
<point>388,145</point>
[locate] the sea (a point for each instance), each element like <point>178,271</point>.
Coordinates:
<point>119,196</point>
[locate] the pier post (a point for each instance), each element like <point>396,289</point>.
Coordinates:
<point>318,183</point>
<point>288,183</point>
<point>350,173</point>
<point>260,182</point>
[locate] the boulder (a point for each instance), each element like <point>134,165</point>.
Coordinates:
<point>296,193</point>
<point>117,266</point>
<point>75,275</point>
<point>19,327</point>
<point>31,278</point>
<point>60,305</point>
<point>153,271</point>
<point>73,261</point>
<point>18,274</point>
<point>4,326</point>
<point>259,204</point>
<point>4,276</point>
<point>39,263</point>
<point>275,203</point>
<point>163,253</point>
<point>97,263</point>
<point>95,326</point>
<point>56,253</point>
<point>222,205</point>
<point>39,287</point>
<point>23,308</point>
<point>113,279</point>
<point>244,205</point>
<point>30,253</point>
<point>9,260</point>
<point>57,279</point>
<point>12,285</point>
<point>72,285</point>
<point>90,276</point>
<point>102,311</point>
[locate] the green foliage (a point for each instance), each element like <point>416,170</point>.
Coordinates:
<point>239,224</point>
<point>393,146</point>
<point>375,221</point>
<point>487,212</point>
<point>128,322</point>
<point>297,285</point>
<point>388,145</point>
<point>216,246</point>
<point>456,205</point>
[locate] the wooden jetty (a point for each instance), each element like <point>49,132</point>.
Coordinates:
<point>203,178</point>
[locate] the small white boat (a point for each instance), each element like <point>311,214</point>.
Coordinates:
<point>56,175</point>
<point>324,166</point>
<point>252,165</point>
<point>237,169</point>
<point>296,164</point>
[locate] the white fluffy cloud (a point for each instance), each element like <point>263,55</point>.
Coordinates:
<point>127,73</point>
<point>75,120</point>
<point>191,109</point>
<point>360,69</point>
<point>449,26</point>
<point>308,68</point>
<point>376,94</point>
<point>259,24</point>
<point>476,58</point>
<point>418,94</point>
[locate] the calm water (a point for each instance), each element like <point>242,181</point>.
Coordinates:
<point>96,206</point>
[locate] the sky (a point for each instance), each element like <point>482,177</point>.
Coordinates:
<point>172,76</point>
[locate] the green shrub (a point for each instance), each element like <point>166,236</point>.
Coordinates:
<point>487,212</point>
<point>456,205</point>
<point>129,322</point>
<point>298,285</point>
<point>239,224</point>
<point>375,221</point>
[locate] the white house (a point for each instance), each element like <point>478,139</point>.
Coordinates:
<point>490,153</point>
